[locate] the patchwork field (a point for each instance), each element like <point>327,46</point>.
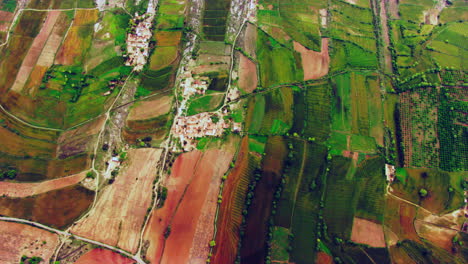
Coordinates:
<point>129,192</point>
<point>21,190</point>
<point>23,240</point>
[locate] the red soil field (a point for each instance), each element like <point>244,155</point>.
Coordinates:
<point>19,239</point>
<point>248,79</point>
<point>367,232</point>
<point>6,16</point>
<point>131,194</point>
<point>35,51</point>
<point>19,190</point>
<point>181,175</point>
<point>323,258</point>
<point>188,242</point>
<point>101,256</point>
<point>230,217</point>
<point>407,215</point>
<point>315,64</point>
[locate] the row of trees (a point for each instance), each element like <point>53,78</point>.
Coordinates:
<point>9,173</point>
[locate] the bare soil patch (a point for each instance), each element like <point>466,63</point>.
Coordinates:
<point>6,16</point>
<point>181,175</point>
<point>20,239</point>
<point>131,194</point>
<point>250,40</point>
<point>439,236</point>
<point>323,258</point>
<point>367,232</point>
<point>315,64</point>
<point>100,256</point>
<point>248,79</point>
<point>35,51</point>
<point>188,242</point>
<point>150,109</point>
<point>18,190</point>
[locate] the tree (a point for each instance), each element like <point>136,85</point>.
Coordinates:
<point>422,193</point>
<point>212,243</point>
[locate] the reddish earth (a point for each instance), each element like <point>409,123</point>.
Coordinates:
<point>188,242</point>
<point>131,194</point>
<point>100,256</point>
<point>13,189</point>
<point>323,258</point>
<point>6,16</point>
<point>248,78</point>
<point>315,64</point>
<point>230,217</point>
<point>35,51</point>
<point>407,215</point>
<point>181,174</point>
<point>367,232</point>
<point>393,8</point>
<point>19,239</point>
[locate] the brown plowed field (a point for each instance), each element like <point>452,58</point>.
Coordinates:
<point>230,217</point>
<point>35,51</point>
<point>18,239</point>
<point>315,64</point>
<point>367,232</point>
<point>6,16</point>
<point>439,236</point>
<point>181,175</point>
<point>131,193</point>
<point>250,40</point>
<point>103,256</point>
<point>248,79</point>
<point>150,109</point>
<point>19,190</point>
<point>57,208</point>
<point>188,242</point>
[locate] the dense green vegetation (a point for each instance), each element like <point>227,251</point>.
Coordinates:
<point>214,19</point>
<point>8,5</point>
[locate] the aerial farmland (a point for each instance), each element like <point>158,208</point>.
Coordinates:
<point>233,131</point>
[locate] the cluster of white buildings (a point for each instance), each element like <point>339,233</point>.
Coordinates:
<point>188,128</point>
<point>138,41</point>
<point>192,86</point>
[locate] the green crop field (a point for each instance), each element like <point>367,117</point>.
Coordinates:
<point>317,116</point>
<point>278,63</point>
<point>340,200</point>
